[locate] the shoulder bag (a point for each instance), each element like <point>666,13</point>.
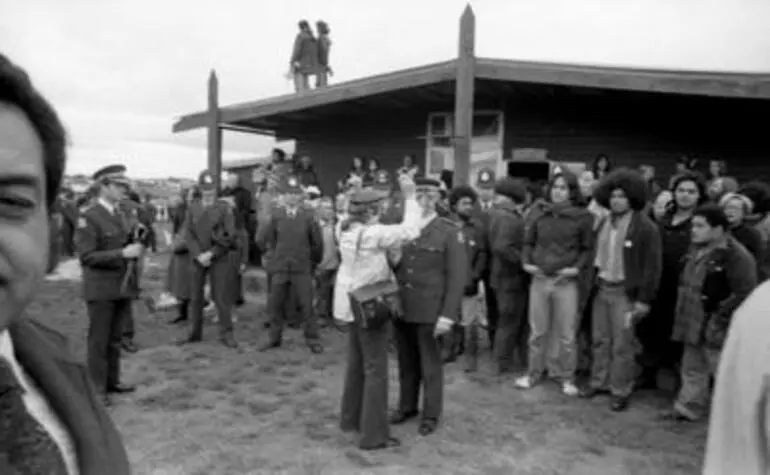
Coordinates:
<point>373,305</point>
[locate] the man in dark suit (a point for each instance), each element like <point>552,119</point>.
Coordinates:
<point>432,274</point>
<point>51,420</point>
<point>294,238</point>
<point>485,186</point>
<point>101,241</point>
<point>212,239</point>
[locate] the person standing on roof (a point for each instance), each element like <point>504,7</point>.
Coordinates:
<point>304,57</point>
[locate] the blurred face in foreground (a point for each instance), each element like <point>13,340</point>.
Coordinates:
<point>24,230</point>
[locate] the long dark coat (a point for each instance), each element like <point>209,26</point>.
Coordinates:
<point>178,283</point>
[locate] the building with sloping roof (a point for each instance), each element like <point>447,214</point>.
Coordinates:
<point>472,112</point>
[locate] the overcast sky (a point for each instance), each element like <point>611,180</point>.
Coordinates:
<point>120,71</point>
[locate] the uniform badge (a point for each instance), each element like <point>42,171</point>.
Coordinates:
<point>485,176</point>
<point>460,238</point>
<point>82,223</point>
<point>293,182</point>
<point>207,180</point>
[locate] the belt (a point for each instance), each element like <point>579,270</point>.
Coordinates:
<point>607,283</point>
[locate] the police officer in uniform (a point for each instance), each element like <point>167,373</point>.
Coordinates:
<point>485,186</point>
<point>432,274</point>
<point>211,239</point>
<point>294,239</point>
<point>100,239</point>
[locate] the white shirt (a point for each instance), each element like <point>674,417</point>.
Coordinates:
<point>38,407</point>
<point>365,261</point>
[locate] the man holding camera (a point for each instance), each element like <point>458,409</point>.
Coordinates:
<point>101,240</point>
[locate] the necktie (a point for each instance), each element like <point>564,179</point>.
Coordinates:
<point>28,447</point>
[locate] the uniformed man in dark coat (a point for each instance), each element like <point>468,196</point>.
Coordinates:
<point>294,239</point>
<point>211,238</point>
<point>432,274</point>
<point>100,239</point>
<point>485,186</point>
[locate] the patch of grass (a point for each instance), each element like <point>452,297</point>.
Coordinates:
<point>208,410</point>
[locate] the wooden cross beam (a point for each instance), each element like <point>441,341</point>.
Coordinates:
<point>464,91</point>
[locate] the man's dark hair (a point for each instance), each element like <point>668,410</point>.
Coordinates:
<point>758,192</point>
<point>630,181</point>
<point>462,191</point>
<point>17,90</point>
<point>713,214</point>
<point>694,177</point>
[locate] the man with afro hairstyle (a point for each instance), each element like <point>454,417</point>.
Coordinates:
<point>628,267</point>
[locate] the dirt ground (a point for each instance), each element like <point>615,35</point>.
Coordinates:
<point>208,410</point>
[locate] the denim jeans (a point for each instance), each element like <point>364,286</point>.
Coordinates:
<point>553,320</point>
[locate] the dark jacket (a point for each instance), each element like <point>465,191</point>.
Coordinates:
<point>506,236</point>
<point>295,245</point>
<point>642,258</point>
<point>210,228</point>
<point>476,252</point>
<point>67,387</point>
<point>675,242</point>
<point>304,56</point>
<point>730,278</point>
<point>307,176</point>
<point>432,273</point>
<point>99,240</point>
<point>557,237</point>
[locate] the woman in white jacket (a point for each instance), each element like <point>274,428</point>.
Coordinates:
<point>365,246</point>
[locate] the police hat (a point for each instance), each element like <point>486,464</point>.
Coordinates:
<point>112,174</point>
<point>485,180</point>
<point>427,184</point>
<point>365,197</point>
<point>206,181</point>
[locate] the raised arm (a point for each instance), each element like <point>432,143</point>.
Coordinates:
<point>390,236</point>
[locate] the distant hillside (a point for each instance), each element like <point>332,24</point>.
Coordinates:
<point>159,188</point>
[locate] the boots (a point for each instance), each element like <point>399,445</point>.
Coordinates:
<point>183,312</point>
<point>471,348</point>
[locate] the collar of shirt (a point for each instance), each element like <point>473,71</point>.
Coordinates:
<point>424,221</point>
<point>107,205</point>
<point>38,407</point>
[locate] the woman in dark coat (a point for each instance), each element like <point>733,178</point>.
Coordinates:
<point>179,266</point>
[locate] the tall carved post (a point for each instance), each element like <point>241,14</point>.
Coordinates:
<point>214,131</point>
<point>464,91</point>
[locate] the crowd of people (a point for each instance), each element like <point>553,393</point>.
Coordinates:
<point>606,273</point>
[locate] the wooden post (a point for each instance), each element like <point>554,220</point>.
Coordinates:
<point>215,132</point>
<point>464,91</point>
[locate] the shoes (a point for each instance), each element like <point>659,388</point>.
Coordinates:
<point>525,382</point>
<point>590,393</point>
<point>270,345</point>
<point>427,427</point>
<point>568,388</point>
<point>129,346</point>
<point>618,403</point>
<point>388,444</point>
<point>229,342</point>
<point>400,417</point>
<point>121,389</point>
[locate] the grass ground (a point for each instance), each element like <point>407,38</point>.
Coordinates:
<point>208,410</point>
